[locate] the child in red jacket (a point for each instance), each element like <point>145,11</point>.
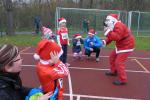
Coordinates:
<point>63,39</point>
<point>50,69</point>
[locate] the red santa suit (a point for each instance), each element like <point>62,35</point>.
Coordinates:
<point>50,75</point>
<point>124,45</point>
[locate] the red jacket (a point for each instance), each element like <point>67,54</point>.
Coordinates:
<point>63,33</point>
<point>122,36</point>
<point>47,75</point>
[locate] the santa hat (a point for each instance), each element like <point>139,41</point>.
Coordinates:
<point>91,31</point>
<point>44,48</point>
<point>77,36</point>
<point>47,33</point>
<point>113,17</point>
<point>62,20</point>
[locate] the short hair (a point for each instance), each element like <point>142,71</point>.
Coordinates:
<point>7,53</point>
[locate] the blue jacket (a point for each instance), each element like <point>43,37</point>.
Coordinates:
<point>97,42</point>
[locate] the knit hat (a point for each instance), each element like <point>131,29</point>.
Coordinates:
<point>44,48</point>
<point>113,16</point>
<point>47,33</point>
<point>62,20</point>
<point>77,36</point>
<point>91,31</point>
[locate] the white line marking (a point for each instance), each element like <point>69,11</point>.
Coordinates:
<point>78,97</point>
<point>23,50</point>
<point>99,97</point>
<point>141,65</point>
<point>133,71</point>
<point>70,86</point>
<point>100,56</point>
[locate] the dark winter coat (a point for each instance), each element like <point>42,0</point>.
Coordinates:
<point>11,87</point>
<point>76,45</point>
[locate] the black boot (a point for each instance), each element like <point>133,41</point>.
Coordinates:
<point>119,83</point>
<point>111,73</point>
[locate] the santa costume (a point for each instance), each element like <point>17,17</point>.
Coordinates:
<point>63,39</point>
<point>50,74</point>
<point>116,31</point>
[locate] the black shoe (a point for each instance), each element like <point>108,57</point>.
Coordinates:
<point>119,83</point>
<point>111,74</point>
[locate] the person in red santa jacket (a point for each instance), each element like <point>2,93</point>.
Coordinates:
<point>63,39</point>
<point>50,69</point>
<point>115,30</point>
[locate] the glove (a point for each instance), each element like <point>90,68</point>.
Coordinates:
<point>107,30</point>
<point>34,93</point>
<point>103,43</point>
<point>55,94</point>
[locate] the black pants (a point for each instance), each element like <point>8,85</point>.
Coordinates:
<point>63,57</point>
<point>96,50</point>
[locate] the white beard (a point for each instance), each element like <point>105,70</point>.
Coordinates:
<point>110,22</point>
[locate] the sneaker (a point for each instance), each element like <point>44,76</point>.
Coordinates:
<point>110,73</point>
<point>117,82</point>
<point>67,64</point>
<point>97,59</point>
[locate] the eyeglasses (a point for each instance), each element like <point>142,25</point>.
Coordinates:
<point>17,60</point>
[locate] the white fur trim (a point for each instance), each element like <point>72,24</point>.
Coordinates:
<point>78,37</point>
<point>62,21</point>
<point>90,33</point>
<point>106,33</point>
<point>126,50</point>
<point>36,56</point>
<point>44,62</point>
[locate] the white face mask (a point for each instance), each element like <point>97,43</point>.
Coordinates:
<point>110,21</point>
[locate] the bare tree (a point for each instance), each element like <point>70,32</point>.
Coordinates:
<point>135,5</point>
<point>9,11</point>
<point>81,3</point>
<point>91,4</point>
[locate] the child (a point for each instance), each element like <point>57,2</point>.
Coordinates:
<point>47,34</point>
<point>76,49</point>
<point>63,39</point>
<point>50,69</point>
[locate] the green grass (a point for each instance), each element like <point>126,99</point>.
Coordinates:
<point>142,43</point>
<point>20,40</point>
